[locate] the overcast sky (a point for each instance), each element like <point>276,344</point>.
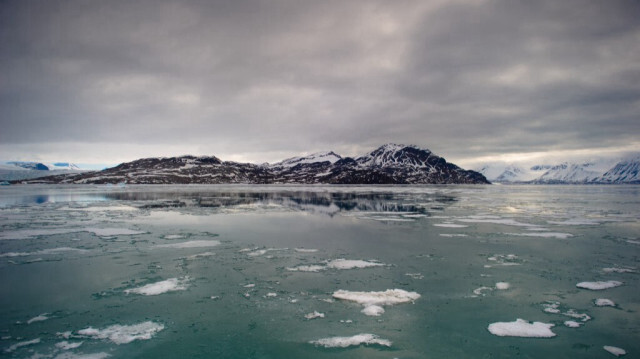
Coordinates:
<point>256,81</point>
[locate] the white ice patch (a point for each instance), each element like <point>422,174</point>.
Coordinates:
<point>415,275</point>
<point>576,222</point>
<point>522,328</point>
<point>165,286</point>
<point>261,252</point>
<point>619,270</point>
<point>503,285</point>
<point>22,344</point>
<point>44,252</point>
<point>305,250</point>
<point>65,345</point>
<point>174,236</point>
<point>450,225</point>
<point>572,324</point>
<point>100,232</point>
<point>351,264</point>
<point>600,285</point>
<point>200,255</point>
<point>615,350</point>
<point>356,340</point>
<point>480,291</point>
<point>271,295</point>
<point>373,301</point>
<point>314,315</point>
<point>373,310</point>
<point>39,318</point>
<point>555,308</point>
<point>310,268</point>
<point>453,235</point>
<point>602,302</point>
<point>557,235</point>
<point>123,334</point>
<point>191,244</point>
<point>70,355</point>
<point>503,221</point>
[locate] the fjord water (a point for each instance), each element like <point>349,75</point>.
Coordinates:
<point>250,272</point>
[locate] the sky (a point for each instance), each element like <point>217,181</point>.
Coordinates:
<point>105,82</point>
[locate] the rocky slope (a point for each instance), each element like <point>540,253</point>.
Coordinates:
<point>389,164</point>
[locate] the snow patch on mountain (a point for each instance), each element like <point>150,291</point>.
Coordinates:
<point>318,157</point>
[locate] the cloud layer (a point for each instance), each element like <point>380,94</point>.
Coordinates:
<point>261,80</point>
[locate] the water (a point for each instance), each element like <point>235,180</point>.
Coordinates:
<point>234,271</point>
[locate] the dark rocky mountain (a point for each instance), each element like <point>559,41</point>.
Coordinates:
<point>389,164</point>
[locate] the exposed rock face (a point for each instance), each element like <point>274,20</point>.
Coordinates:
<point>389,164</point>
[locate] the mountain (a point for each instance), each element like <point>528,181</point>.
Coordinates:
<point>611,171</point>
<point>389,164</point>
<point>19,170</point>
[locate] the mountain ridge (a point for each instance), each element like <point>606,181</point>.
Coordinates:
<point>388,164</point>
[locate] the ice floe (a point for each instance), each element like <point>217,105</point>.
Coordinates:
<point>498,220</point>
<point>165,286</point>
<point>522,328</point>
<point>356,340</point>
<point>451,235</point>
<point>200,255</point>
<point>503,285</point>
<point>314,315</point>
<point>65,345</point>
<point>450,225</point>
<point>305,250</point>
<point>415,275</point>
<point>599,285</point>
<point>341,264</point>
<point>373,301</point>
<point>22,344</point>
<point>123,334</point>
<point>43,252</point>
<point>39,318</point>
<point>100,232</point>
<point>575,222</point>
<point>603,302</point>
<point>572,324</point>
<point>70,355</point>
<point>619,270</point>
<point>174,236</point>
<point>309,268</point>
<point>191,244</point>
<point>615,350</point>
<point>553,307</point>
<point>557,235</point>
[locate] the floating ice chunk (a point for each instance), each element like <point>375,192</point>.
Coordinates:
<point>481,290</point>
<point>633,241</point>
<point>450,225</point>
<point>305,250</point>
<point>101,232</point>
<point>22,344</point>
<point>174,236</point>
<point>44,252</point>
<point>310,268</point>
<point>575,222</point>
<point>169,285</point>
<point>388,297</point>
<point>522,328</point>
<point>250,285</point>
<point>554,308</point>
<point>356,340</point>
<point>615,350</point>
<point>619,270</point>
<point>600,285</point>
<point>415,275</point>
<point>110,232</point>
<point>373,310</point>
<point>602,302</point>
<point>351,264</point>
<point>123,334</point>
<point>65,345</point>
<point>70,355</point>
<point>191,244</point>
<point>200,255</point>
<point>502,285</point>
<point>314,315</point>
<point>504,221</point>
<point>39,318</point>
<point>543,234</point>
<point>272,295</point>
<point>572,324</point>
<point>260,252</point>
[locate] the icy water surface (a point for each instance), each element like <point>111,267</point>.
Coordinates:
<point>319,272</point>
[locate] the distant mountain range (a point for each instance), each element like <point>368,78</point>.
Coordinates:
<point>19,170</point>
<point>389,164</point>
<point>604,171</point>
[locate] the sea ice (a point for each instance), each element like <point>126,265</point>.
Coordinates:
<point>575,222</point>
<point>22,344</point>
<point>600,285</point>
<point>314,315</point>
<point>174,236</point>
<point>44,252</point>
<point>65,345</point>
<point>123,334</point>
<point>305,250</point>
<point>373,301</point>
<point>502,285</point>
<point>356,340</point>
<point>351,264</point>
<point>101,232</point>
<point>39,318</point>
<point>450,225</point>
<point>602,302</point>
<point>450,235</point>
<point>70,355</point>
<point>542,234</point>
<point>615,350</point>
<point>310,268</point>
<point>169,285</point>
<point>479,291</point>
<point>554,308</point>
<point>619,270</point>
<point>191,244</point>
<point>572,324</point>
<point>522,328</point>
<point>373,310</point>
<point>503,221</point>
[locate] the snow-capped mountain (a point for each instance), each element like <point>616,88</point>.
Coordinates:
<point>595,171</point>
<point>18,170</point>
<point>389,164</point>
<point>319,157</point>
